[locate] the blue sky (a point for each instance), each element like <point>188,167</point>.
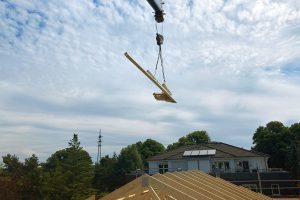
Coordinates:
<point>232,66</point>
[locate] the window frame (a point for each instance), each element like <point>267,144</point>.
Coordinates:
<point>163,167</point>
<point>240,166</point>
<point>223,164</point>
<point>278,189</point>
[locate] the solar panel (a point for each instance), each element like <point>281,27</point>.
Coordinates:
<point>203,153</point>
<point>187,153</point>
<point>211,152</point>
<point>195,153</point>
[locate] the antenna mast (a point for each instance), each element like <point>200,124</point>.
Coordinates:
<point>99,147</point>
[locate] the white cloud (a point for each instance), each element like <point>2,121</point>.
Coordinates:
<point>230,64</point>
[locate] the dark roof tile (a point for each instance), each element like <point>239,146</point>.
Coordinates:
<point>222,151</point>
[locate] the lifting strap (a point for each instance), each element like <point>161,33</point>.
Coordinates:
<point>159,42</point>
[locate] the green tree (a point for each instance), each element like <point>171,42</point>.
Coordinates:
<point>68,173</point>
<point>149,148</point>
<point>130,159</point>
<point>20,180</point>
<point>11,181</point>
<point>33,176</point>
<point>111,173</point>
<point>295,130</point>
<point>105,179</point>
<point>12,164</point>
<point>196,137</point>
<point>276,140</point>
<point>74,143</point>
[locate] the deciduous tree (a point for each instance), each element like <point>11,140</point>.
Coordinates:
<point>276,140</point>
<point>149,148</point>
<point>196,137</point>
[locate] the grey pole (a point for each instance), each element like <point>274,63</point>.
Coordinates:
<point>99,147</point>
<point>259,181</point>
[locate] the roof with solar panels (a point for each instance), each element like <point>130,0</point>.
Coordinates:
<point>212,149</point>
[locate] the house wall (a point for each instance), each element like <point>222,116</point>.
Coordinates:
<point>255,163</point>
<point>153,167</point>
<point>192,164</point>
<point>205,164</point>
<point>200,164</point>
<point>175,165</point>
<point>262,163</point>
<point>230,160</point>
<point>187,164</point>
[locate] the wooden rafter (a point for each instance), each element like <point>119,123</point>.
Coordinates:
<point>185,185</point>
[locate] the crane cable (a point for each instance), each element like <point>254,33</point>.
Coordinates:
<point>159,42</point>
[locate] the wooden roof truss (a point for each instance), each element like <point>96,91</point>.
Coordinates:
<point>185,185</point>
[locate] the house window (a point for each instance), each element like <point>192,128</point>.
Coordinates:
<point>163,167</point>
<point>222,166</point>
<point>275,189</point>
<point>242,166</point>
<point>252,187</point>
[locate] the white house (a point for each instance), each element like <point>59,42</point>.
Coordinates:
<point>209,157</point>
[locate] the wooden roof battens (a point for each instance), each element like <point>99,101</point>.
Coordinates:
<point>186,185</point>
<point>170,189</point>
<point>192,192</point>
<point>211,180</point>
<point>243,190</point>
<point>246,191</point>
<point>170,197</point>
<point>232,187</point>
<point>207,184</point>
<point>225,189</point>
<point>198,191</point>
<point>257,194</point>
<point>203,188</point>
<point>134,187</point>
<point>154,194</point>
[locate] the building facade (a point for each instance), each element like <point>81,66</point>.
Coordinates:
<point>210,157</point>
<point>237,165</point>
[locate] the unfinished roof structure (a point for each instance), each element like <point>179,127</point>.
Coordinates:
<point>185,185</point>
